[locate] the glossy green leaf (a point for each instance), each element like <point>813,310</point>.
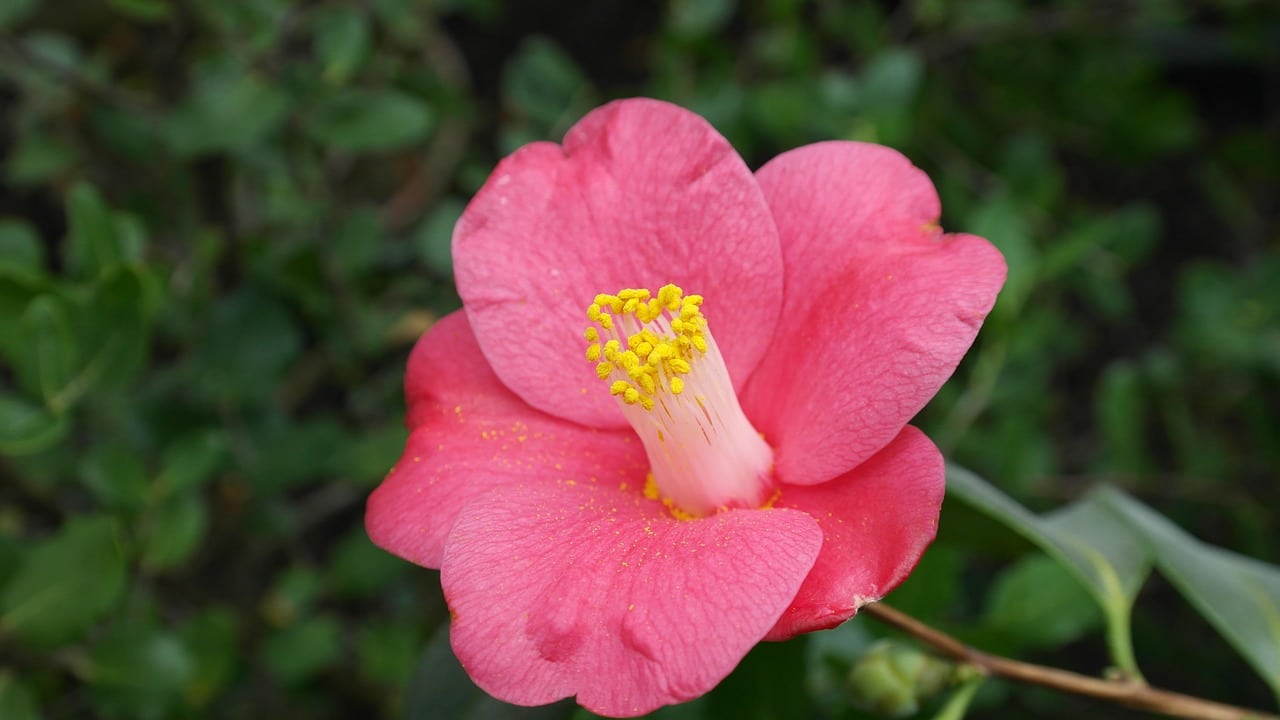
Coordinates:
<point>13,12</point>
<point>20,249</point>
<point>210,638</point>
<point>230,109</point>
<point>116,475</point>
<point>957,704</point>
<point>434,236</point>
<point>93,245</point>
<point>1103,554</point>
<point>113,325</point>
<point>39,157</point>
<point>66,584</point>
<point>26,428</point>
<point>51,358</point>
<point>1240,596</point>
<point>191,461</point>
<point>299,651</point>
<point>343,37</point>
<point>138,670</point>
<point>1038,603</point>
<point>172,531</point>
<point>358,568</point>
<point>388,651</point>
<point>367,121</point>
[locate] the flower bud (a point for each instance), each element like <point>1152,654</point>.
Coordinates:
<point>892,679</point>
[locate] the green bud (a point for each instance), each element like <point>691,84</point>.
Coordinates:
<point>892,679</point>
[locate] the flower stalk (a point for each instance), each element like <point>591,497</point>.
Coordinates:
<point>1127,692</point>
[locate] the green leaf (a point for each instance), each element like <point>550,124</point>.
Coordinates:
<point>51,359</point>
<point>26,428</point>
<point>113,332</point>
<point>299,651</point>
<point>957,705</point>
<point>1240,596</point>
<point>172,531</point>
<point>136,670</point>
<point>38,157</point>
<point>1102,553</point>
<point>387,652</point>
<point>342,37</point>
<point>93,245</point>
<point>65,585</point>
<point>1037,603</point>
<point>434,236</point>
<point>13,12</point>
<point>365,121</point>
<point>768,684</point>
<point>230,110</point>
<point>359,568</point>
<point>891,80</point>
<point>16,701</point>
<point>191,460</point>
<point>211,642</point>
<point>114,473</point>
<point>20,249</point>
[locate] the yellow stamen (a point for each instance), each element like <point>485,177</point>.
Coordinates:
<point>657,356</point>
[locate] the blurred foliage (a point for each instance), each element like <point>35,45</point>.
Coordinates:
<point>222,225</point>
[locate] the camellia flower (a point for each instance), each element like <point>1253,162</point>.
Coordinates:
<point>671,419</point>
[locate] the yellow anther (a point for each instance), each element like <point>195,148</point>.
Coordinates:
<point>669,296</point>
<point>657,353</point>
<point>647,384</point>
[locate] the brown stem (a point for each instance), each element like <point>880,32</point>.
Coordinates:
<point>1122,692</point>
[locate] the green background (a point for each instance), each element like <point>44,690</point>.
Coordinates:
<point>223,224</point>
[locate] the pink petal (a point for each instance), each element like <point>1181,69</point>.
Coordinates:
<point>642,193</point>
<point>876,522</point>
<point>879,309</point>
<point>472,435</point>
<point>584,590</point>
<point>445,368</point>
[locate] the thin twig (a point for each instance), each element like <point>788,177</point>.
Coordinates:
<point>1129,693</point>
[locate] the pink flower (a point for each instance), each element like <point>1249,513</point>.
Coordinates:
<point>628,540</point>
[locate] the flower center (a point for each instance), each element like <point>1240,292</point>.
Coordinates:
<point>668,376</point>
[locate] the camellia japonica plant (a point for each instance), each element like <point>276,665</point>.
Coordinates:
<point>671,420</point>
